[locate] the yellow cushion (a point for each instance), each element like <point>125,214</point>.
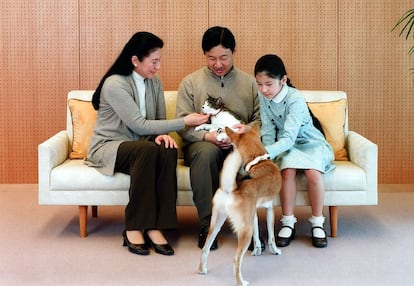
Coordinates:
<point>83,121</point>
<point>332,118</point>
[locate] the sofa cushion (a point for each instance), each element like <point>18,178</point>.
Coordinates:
<point>83,121</point>
<point>75,175</point>
<point>332,118</point>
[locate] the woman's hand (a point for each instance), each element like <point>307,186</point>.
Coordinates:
<point>195,119</point>
<point>169,142</point>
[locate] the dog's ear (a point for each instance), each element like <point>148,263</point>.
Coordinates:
<point>256,129</point>
<point>229,131</point>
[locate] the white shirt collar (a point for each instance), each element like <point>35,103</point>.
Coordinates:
<point>140,85</point>
<point>139,78</point>
<point>282,94</point>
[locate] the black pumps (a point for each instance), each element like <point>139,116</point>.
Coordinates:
<point>140,249</point>
<point>164,249</point>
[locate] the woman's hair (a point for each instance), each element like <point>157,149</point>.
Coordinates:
<point>141,45</point>
<point>272,66</point>
<point>217,35</point>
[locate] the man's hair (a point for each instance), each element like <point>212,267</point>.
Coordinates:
<point>217,35</point>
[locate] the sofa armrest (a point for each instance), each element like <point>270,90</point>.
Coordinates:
<point>51,153</point>
<point>364,153</point>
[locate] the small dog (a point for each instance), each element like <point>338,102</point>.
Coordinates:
<point>220,118</point>
<point>239,200</point>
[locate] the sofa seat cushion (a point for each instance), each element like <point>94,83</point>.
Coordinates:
<point>183,176</point>
<point>345,177</point>
<point>75,175</point>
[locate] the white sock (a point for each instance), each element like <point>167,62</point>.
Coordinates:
<point>287,220</point>
<point>318,221</point>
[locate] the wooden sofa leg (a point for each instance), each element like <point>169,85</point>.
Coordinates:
<point>333,218</point>
<point>83,221</point>
<point>94,211</point>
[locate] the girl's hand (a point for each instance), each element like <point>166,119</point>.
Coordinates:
<point>241,128</point>
<point>169,142</point>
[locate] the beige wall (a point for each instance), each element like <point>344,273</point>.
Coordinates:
<point>49,47</point>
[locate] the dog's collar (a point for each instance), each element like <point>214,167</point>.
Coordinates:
<point>256,160</point>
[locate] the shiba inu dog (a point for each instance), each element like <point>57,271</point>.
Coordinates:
<point>239,200</point>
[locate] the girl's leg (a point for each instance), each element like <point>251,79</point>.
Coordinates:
<point>287,199</point>
<point>288,191</point>
<point>316,191</point>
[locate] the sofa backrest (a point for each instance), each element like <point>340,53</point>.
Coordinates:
<point>330,107</point>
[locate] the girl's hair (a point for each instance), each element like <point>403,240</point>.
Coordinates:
<point>141,45</point>
<point>217,35</point>
<point>272,66</point>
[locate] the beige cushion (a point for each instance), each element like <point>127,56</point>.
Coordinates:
<point>332,118</point>
<point>83,121</point>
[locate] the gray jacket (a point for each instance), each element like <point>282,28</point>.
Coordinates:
<point>119,119</point>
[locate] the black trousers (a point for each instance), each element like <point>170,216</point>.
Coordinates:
<point>153,189</point>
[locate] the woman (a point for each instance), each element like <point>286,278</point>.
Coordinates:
<point>131,136</point>
<point>294,143</point>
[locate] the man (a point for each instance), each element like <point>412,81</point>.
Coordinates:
<point>202,151</point>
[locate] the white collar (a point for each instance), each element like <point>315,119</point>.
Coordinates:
<point>256,161</point>
<point>282,94</point>
<point>138,77</point>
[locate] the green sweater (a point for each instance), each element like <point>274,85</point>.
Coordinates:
<point>237,89</point>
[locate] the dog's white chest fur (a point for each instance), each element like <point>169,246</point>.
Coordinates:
<point>220,118</point>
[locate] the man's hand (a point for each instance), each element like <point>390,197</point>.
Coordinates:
<point>212,137</point>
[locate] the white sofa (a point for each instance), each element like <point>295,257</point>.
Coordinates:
<point>64,181</point>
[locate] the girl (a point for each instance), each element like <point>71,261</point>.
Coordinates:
<point>294,143</point>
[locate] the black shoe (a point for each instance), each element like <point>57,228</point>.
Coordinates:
<point>318,241</point>
<point>164,249</point>
<point>202,237</point>
<point>285,241</point>
<point>262,244</point>
<point>140,249</point>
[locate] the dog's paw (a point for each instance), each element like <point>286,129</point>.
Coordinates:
<point>202,269</point>
<point>273,249</point>
<point>257,251</point>
<point>243,283</point>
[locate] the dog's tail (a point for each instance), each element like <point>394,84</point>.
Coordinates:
<point>231,167</point>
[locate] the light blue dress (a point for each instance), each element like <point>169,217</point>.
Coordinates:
<point>289,135</point>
